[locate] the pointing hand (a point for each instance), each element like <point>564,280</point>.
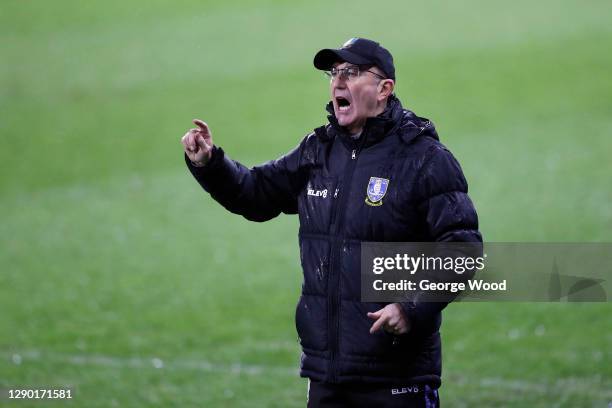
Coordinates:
<point>198,143</point>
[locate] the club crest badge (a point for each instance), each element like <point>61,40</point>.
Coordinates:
<point>377,188</point>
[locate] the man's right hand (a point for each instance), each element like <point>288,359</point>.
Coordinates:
<point>198,144</point>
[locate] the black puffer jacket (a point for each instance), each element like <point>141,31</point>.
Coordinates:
<point>324,179</point>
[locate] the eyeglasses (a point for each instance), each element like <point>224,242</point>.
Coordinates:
<point>348,73</point>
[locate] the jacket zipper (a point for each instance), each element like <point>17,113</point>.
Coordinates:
<point>334,206</point>
<point>336,251</point>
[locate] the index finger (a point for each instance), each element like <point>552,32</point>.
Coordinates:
<point>374,315</point>
<point>201,124</point>
<point>378,324</point>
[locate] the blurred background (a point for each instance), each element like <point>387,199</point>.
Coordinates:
<point>121,278</point>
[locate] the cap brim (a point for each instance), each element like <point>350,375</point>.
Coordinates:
<point>326,58</point>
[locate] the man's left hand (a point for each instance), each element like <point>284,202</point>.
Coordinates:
<point>391,318</point>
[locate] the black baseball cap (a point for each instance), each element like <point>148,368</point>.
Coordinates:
<point>358,51</point>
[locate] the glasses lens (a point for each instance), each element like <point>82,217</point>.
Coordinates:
<point>344,73</point>
<point>351,72</point>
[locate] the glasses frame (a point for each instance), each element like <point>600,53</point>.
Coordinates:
<point>343,72</point>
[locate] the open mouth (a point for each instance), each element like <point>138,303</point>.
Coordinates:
<point>343,104</point>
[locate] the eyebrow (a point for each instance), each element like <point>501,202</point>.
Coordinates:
<point>346,66</point>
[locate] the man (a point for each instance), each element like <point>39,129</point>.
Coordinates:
<point>376,172</point>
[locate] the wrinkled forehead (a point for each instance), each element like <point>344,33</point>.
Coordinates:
<point>344,64</point>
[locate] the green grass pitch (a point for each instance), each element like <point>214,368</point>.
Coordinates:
<point>121,278</point>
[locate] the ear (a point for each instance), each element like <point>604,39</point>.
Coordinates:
<point>386,87</point>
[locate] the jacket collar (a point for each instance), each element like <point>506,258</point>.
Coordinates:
<point>393,119</point>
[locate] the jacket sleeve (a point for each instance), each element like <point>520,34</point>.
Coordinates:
<point>260,193</point>
<point>449,216</point>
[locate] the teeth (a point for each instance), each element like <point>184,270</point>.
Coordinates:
<point>344,108</point>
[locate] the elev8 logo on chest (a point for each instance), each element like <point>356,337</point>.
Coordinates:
<point>317,193</point>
